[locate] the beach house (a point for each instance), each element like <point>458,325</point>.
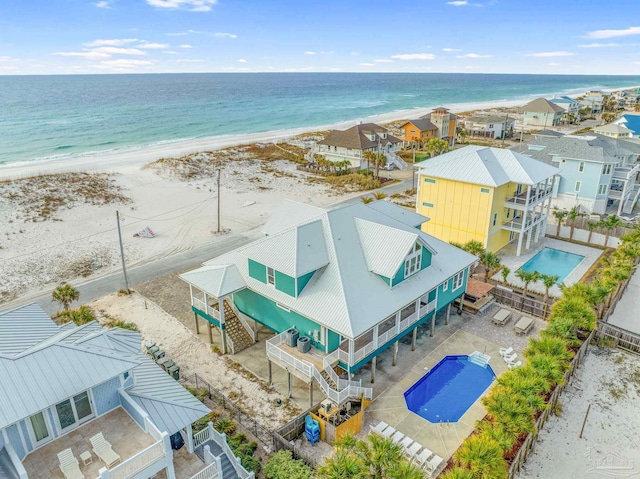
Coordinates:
<point>352,143</point>
<point>542,112</point>
<point>571,108</point>
<point>490,195</point>
<point>440,123</point>
<point>336,287</point>
<point>597,173</point>
<point>488,125</point>
<point>614,130</point>
<point>85,395</point>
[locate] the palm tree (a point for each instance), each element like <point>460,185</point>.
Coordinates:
<point>65,294</point>
<point>509,409</point>
<point>610,223</point>
<point>457,473</point>
<point>505,274</point>
<point>549,346</point>
<point>496,432</point>
<point>527,277</point>
<point>342,465</point>
<point>591,225</point>
<point>82,315</point>
<point>462,133</point>
<point>560,215</point>
<point>573,215</point>
<point>636,107</point>
<point>548,280</point>
<point>378,160</point>
<point>549,368</point>
<point>405,470</point>
<point>378,454</point>
<point>474,247</point>
<point>489,262</point>
<point>608,117</point>
<point>436,146</point>
<point>368,155</point>
<point>618,273</point>
<point>482,456</point>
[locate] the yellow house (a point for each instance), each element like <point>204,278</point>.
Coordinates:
<point>491,195</point>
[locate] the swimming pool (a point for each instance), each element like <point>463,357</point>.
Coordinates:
<point>446,392</point>
<point>551,261</point>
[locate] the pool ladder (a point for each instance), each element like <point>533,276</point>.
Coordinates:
<point>479,358</point>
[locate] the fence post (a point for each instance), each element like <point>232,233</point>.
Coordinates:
<point>206,453</point>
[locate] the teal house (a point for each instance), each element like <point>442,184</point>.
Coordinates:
<point>352,281</point>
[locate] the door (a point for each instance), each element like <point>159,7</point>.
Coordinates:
<point>39,429</point>
<point>74,410</point>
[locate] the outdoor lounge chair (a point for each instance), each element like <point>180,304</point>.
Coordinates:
<point>103,450</point>
<point>501,317</point>
<point>397,437</point>
<point>381,426</point>
<point>423,457</point>
<point>388,432</point>
<point>69,465</point>
<point>406,442</point>
<point>413,449</point>
<point>510,359</point>
<point>433,464</point>
<point>506,351</point>
<point>515,365</point>
<point>523,325</point>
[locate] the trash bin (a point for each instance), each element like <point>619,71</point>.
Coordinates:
<point>176,441</point>
<point>148,345</point>
<point>292,337</point>
<point>159,354</point>
<point>152,350</point>
<point>174,372</point>
<point>304,345</point>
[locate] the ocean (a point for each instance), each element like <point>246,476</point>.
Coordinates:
<point>51,117</point>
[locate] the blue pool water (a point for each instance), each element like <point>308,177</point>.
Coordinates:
<point>446,392</point>
<point>551,261</point>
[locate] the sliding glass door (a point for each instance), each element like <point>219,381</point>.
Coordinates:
<point>39,428</point>
<point>74,410</point>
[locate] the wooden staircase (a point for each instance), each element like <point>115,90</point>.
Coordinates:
<point>327,378</point>
<point>235,330</point>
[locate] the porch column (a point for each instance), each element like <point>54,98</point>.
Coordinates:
<point>529,238</point>
<point>433,325</point>
<point>189,431</point>
<point>270,372</point>
<point>395,353</point>
<point>414,336</point>
<point>209,326</point>
<point>397,323</point>
<point>103,473</point>
<point>195,316</point>
<point>168,452</point>
<point>524,222</point>
<point>191,293</point>
<point>446,318</point>
<point>373,369</point>
<point>223,336</point>
<point>311,393</point>
<point>352,350</point>
<point>375,337</point>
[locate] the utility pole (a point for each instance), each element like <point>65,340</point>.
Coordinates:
<point>124,268</point>
<point>504,130</point>
<point>218,184</point>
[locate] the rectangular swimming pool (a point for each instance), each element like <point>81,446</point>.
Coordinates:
<point>551,262</point>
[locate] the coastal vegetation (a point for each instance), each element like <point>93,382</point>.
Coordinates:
<point>522,394</point>
<point>65,294</point>
<point>282,465</point>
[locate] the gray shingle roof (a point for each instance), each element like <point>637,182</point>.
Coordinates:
<point>422,124</point>
<point>346,295</point>
<point>487,166</point>
<point>596,148</point>
<point>356,139</point>
<point>542,105</point>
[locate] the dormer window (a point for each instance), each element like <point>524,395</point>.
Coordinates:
<point>271,276</point>
<point>413,261</point>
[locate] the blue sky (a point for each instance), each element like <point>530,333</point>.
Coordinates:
<point>491,36</point>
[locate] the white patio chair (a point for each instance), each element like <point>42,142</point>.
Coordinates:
<point>510,359</point>
<point>514,365</point>
<point>103,450</point>
<point>397,437</point>
<point>433,464</point>
<point>379,428</point>
<point>69,465</point>
<point>388,432</point>
<point>406,442</point>
<point>423,456</point>
<point>413,449</point>
<point>506,351</point>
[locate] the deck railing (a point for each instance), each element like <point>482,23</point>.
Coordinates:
<point>205,308</point>
<point>209,472</point>
<point>221,440</point>
<point>139,462</point>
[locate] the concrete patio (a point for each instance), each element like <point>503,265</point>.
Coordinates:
<point>124,434</point>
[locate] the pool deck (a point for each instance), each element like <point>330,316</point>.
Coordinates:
<point>513,262</point>
<point>442,439</point>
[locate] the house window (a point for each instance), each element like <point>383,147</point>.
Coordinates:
<point>412,262</point>
<point>458,280</point>
<point>490,125</point>
<point>430,180</point>
<point>581,166</point>
<point>39,427</point>
<point>495,218</point>
<point>427,205</point>
<point>578,185</point>
<point>413,131</point>
<point>606,169</point>
<point>445,286</point>
<point>126,375</point>
<point>602,189</point>
<point>484,190</point>
<point>271,276</point>
<point>74,410</point>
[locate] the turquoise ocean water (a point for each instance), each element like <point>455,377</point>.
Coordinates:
<point>49,117</point>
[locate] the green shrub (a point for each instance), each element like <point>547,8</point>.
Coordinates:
<point>282,465</point>
<point>225,426</point>
<point>80,315</point>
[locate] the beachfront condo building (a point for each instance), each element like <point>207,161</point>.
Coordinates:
<point>336,287</point>
<point>488,125</point>
<point>440,123</point>
<point>72,395</point>
<point>598,174</point>
<point>541,112</point>
<point>352,143</point>
<point>491,195</point>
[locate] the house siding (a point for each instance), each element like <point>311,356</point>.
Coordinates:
<point>106,397</point>
<point>14,439</point>
<point>333,340</point>
<point>267,313</point>
<point>446,297</point>
<point>257,271</point>
<point>25,434</point>
<point>285,283</point>
<point>133,412</point>
<point>303,280</point>
<point>497,237</point>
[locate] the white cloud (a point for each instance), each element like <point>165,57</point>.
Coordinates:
<point>383,60</point>
<point>88,54</point>
<point>182,34</point>
<point>190,60</point>
<point>119,51</point>
<point>191,5</point>
<point>367,64</point>
<point>114,42</point>
<point>102,4</point>
<point>241,60</point>
<point>553,64</point>
<point>473,55</point>
<point>451,50</point>
<point>458,3</point>
<point>186,46</point>
<point>153,46</point>
<point>121,64</point>
<point>225,35</point>
<point>6,58</point>
<point>309,52</point>
<point>171,52</point>
<point>339,69</point>
<point>614,33</point>
<point>599,45</point>
<point>414,56</point>
<point>550,54</point>
<point>236,69</point>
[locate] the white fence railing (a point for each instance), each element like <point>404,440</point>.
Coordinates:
<point>139,462</point>
<point>209,472</point>
<point>201,437</point>
<point>221,439</point>
<point>199,304</point>
<point>286,358</point>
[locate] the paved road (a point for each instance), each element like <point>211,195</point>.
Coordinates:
<point>111,282</point>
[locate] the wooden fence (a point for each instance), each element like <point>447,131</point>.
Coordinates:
<point>283,438</point>
<point>529,443</point>
<point>526,304</point>
<point>621,337</point>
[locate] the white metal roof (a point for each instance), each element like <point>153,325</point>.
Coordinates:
<point>218,281</point>
<point>345,295</point>
<point>24,327</point>
<point>404,215</point>
<point>290,213</point>
<point>487,166</point>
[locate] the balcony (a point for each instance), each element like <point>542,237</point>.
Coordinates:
<point>625,172</point>
<point>519,200</point>
<point>516,224</point>
<point>124,434</point>
<point>205,308</point>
